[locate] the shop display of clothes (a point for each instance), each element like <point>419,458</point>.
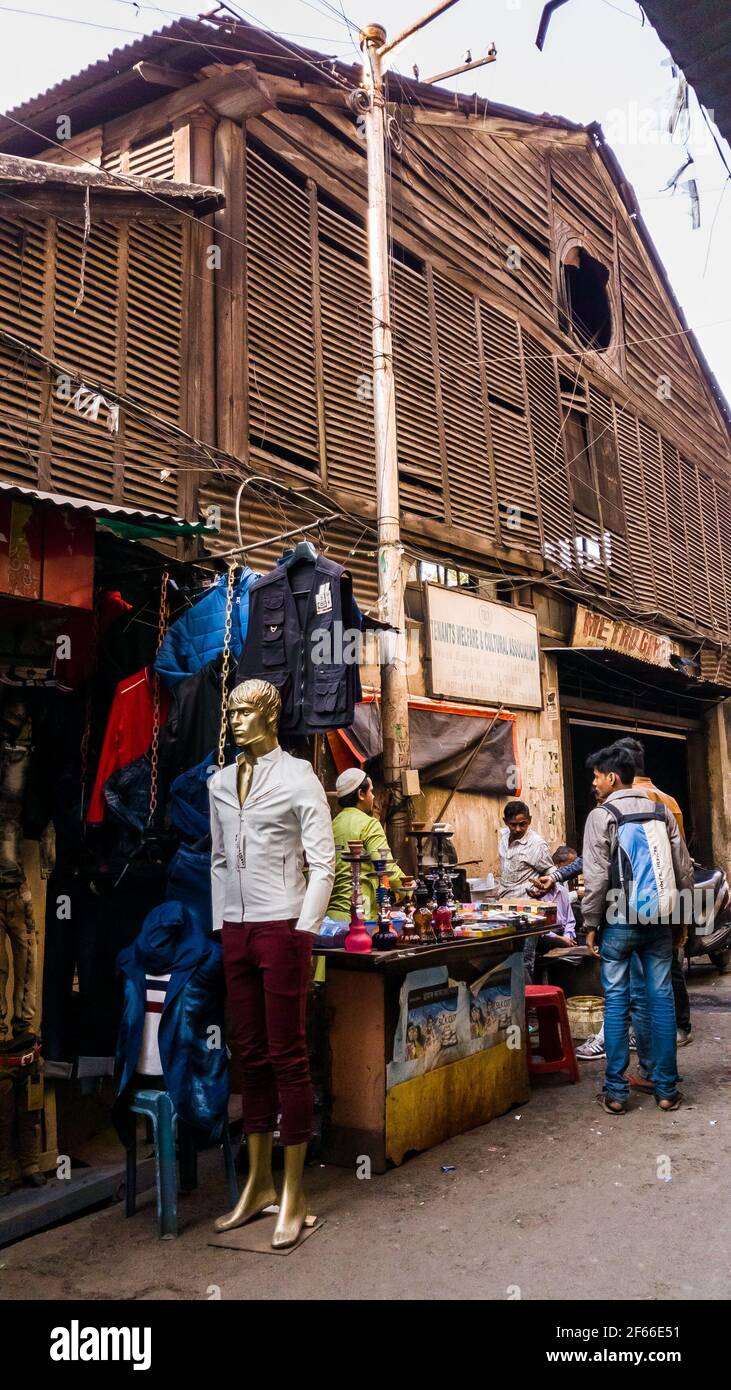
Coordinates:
<point>18,944</point>
<point>195,1069</point>
<point>301,616</point>
<point>197,637</point>
<point>128,734</point>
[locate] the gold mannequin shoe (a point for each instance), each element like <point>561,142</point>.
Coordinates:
<point>259,1191</point>
<point>293,1203</point>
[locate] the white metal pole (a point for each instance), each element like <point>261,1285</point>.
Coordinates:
<point>394,690</point>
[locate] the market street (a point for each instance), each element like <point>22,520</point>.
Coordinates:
<point>555,1198</point>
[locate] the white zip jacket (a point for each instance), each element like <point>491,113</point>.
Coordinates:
<point>257,861</point>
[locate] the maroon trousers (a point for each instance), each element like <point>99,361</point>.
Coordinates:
<point>267,966</point>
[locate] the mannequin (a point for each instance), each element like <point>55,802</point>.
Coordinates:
<point>266,809</point>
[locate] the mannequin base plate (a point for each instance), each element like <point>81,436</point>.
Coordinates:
<point>256,1235</point>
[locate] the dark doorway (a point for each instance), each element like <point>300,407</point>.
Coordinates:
<point>666,762</point>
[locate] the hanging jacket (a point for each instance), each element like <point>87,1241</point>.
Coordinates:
<point>171,942</point>
<point>128,734</point>
<point>193,724</point>
<point>301,644</point>
<point>197,637</point>
<point>189,881</point>
<point>188,805</point>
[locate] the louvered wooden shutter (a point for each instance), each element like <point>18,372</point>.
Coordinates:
<point>152,363</point>
<point>421,482</point>
<point>713,552</point>
<point>465,428</point>
<point>85,339</point>
<point>282,390</point>
<point>509,430</point>
<point>22,264</point>
<point>153,157</point>
<point>548,446</point>
<point>638,533</point>
<point>723,512</point>
<point>691,519</point>
<point>680,552</point>
<point>658,520</point>
<point>611,502</point>
<point>347,358</point>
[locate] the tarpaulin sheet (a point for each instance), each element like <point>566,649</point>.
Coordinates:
<point>442,743</point>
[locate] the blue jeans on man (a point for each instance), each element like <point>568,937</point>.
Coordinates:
<point>636,973</point>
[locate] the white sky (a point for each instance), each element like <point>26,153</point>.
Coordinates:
<point>599,63</point>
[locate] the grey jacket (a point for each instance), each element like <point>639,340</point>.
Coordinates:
<point>600,834</point>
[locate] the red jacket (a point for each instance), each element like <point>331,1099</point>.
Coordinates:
<point>129,733</point>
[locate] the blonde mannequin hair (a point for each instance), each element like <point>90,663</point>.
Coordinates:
<point>263,696</point>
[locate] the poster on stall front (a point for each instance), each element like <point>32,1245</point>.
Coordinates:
<point>441,1020</point>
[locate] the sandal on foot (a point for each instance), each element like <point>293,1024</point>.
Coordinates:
<point>638,1083</point>
<point>668,1103</point>
<point>612,1107</point>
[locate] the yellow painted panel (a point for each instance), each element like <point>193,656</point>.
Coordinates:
<point>428,1109</point>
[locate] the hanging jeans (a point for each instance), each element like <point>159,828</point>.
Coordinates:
<point>654,948</point>
<point>267,968</point>
<point>18,942</point>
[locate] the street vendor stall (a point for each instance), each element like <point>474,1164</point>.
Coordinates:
<point>424,1042</point>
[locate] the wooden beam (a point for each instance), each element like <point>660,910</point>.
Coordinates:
<point>161,75</point>
<point>235,94</point>
<point>229,158</point>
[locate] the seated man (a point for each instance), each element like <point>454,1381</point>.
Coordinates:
<point>524,854</point>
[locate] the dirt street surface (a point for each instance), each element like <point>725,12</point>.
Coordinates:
<point>556,1199</point>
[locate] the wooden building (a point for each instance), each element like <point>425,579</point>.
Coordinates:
<point>561,438</point>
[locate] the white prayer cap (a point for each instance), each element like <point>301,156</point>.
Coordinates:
<point>349,781</point>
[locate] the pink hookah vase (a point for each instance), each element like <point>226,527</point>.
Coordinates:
<point>357,939</point>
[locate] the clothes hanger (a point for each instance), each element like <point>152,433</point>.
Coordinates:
<point>304,550</point>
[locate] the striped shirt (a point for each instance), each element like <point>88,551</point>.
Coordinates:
<point>148,1062</point>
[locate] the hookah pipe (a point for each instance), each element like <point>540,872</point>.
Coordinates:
<point>422,920</point>
<point>385,938</point>
<point>442,917</point>
<point>357,939</point>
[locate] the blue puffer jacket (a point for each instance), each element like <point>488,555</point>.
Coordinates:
<point>197,637</point>
<point>172,942</point>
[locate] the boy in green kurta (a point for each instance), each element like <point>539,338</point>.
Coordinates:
<point>355,821</point>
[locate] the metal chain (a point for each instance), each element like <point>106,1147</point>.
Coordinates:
<point>225,662</point>
<point>162,622</point>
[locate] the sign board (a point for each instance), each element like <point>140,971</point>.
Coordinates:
<point>481,651</point>
<point>596,630</point>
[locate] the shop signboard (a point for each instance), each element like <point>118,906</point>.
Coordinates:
<point>597,630</point>
<point>481,651</point>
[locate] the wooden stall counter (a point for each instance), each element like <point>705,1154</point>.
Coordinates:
<point>424,1043</point>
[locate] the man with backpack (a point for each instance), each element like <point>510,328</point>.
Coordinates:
<point>635,861</point>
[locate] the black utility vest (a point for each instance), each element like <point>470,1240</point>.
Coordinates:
<point>303,645</point>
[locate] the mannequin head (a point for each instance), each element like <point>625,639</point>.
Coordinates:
<point>253,712</point>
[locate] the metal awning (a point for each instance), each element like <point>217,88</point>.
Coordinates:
<point>671,680</point>
<point>162,522</point>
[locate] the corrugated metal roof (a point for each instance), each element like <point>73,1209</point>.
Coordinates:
<point>38,173</point>
<point>81,504</point>
<point>698,34</point>
<point>110,87</point>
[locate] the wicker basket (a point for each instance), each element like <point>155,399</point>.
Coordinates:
<point>586,1015</point>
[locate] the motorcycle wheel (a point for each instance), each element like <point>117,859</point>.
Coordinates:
<point>721,960</point>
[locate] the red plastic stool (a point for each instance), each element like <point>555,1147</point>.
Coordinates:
<point>554,1035</point>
